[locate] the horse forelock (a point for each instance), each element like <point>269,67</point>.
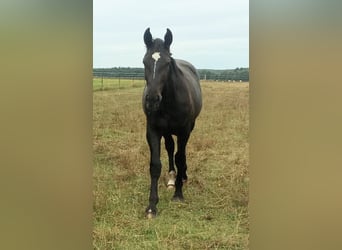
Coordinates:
<point>158,45</point>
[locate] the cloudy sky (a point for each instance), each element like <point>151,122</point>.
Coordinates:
<point>211,34</point>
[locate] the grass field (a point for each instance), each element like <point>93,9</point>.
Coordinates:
<point>215,212</point>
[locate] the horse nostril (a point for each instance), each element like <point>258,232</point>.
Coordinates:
<point>156,98</point>
<point>153,102</point>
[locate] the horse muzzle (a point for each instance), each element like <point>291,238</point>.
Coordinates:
<point>152,102</point>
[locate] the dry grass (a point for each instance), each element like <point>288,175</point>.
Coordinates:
<point>214,214</point>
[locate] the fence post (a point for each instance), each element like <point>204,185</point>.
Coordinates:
<point>119,78</point>
<point>102,82</point>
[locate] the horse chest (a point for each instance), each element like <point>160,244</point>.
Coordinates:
<point>166,122</point>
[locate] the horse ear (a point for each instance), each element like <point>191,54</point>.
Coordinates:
<point>168,39</point>
<point>148,38</point>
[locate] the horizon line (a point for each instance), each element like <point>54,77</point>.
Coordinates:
<point>143,67</point>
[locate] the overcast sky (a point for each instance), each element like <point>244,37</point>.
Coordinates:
<point>211,34</point>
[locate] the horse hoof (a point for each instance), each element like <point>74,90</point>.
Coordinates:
<point>177,199</point>
<point>150,214</point>
<point>170,187</point>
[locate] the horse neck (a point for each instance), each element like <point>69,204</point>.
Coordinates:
<point>176,89</point>
<point>171,86</point>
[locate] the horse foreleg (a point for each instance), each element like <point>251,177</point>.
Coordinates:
<point>155,170</point>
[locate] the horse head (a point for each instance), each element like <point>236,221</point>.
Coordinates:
<point>157,61</point>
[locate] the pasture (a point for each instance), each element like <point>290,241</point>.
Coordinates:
<point>215,212</point>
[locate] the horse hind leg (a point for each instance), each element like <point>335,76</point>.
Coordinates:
<point>180,159</point>
<point>172,180</point>
<point>170,148</point>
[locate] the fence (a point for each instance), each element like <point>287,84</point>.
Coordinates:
<point>237,75</point>
<point>106,83</point>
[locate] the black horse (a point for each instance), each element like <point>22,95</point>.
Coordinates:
<point>171,100</point>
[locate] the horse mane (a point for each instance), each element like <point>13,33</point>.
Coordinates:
<point>178,70</point>
<point>174,69</point>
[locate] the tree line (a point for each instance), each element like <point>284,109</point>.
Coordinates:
<point>237,74</point>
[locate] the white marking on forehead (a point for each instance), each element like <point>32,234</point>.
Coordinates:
<point>155,56</point>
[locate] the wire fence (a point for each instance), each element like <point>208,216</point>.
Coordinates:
<point>236,75</point>
<point>107,83</point>
<point>118,78</point>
